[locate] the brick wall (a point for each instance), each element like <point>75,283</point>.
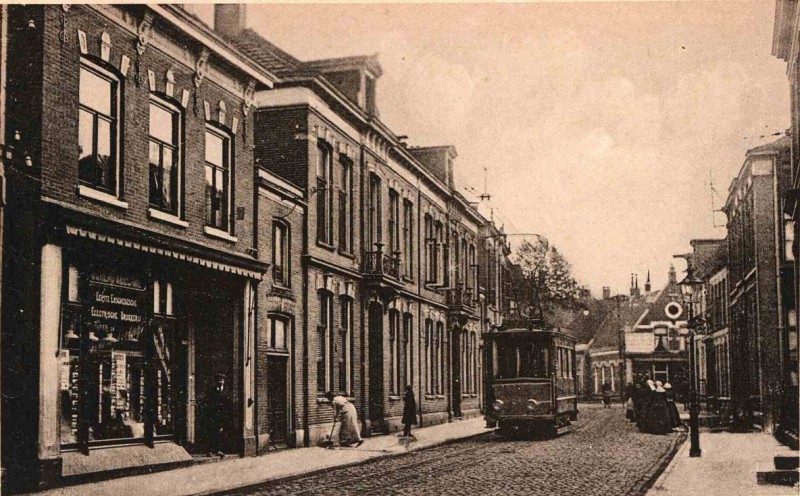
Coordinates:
<point>59,161</point>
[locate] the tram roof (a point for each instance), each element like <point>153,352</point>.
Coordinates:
<point>518,331</point>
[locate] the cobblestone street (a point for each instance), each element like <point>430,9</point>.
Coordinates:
<point>605,454</point>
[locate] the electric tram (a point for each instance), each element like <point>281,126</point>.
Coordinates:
<point>532,382</point>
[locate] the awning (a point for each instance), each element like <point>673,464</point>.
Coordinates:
<point>203,262</point>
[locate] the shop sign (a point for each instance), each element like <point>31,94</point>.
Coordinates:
<point>639,342</point>
<point>117,304</point>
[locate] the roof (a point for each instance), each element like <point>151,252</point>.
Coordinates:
<point>265,53</point>
<point>777,146</point>
<point>671,292</point>
<point>609,334</point>
<point>587,323</point>
<point>713,263</point>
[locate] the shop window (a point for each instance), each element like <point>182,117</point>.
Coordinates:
<point>98,128</point>
<point>661,372</point>
<point>165,156</point>
<point>280,254</point>
<point>218,159</point>
<point>278,327</point>
<point>117,373</point>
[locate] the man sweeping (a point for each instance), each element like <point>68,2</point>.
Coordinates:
<point>345,413</point>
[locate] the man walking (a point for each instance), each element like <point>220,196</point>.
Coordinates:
<point>217,415</point>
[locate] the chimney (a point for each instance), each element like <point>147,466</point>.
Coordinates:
<point>606,293</point>
<point>229,19</point>
<point>647,285</point>
<point>673,279</point>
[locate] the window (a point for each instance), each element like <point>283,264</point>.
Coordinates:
<point>661,372</point>
<point>438,253</point>
<point>346,206</point>
<point>430,250</point>
<point>408,238</point>
<point>408,353</point>
<point>346,354</point>
<point>429,356</point>
<point>98,129</point>
<point>324,344</point>
<point>280,254</point>
<point>218,171</point>
<point>324,198</point>
<point>278,327</point>
<point>164,156</point>
<point>788,237</point>
<point>440,357</point>
<point>474,271</point>
<point>375,228</point>
<point>394,352</point>
<point>394,222</point>
<point>163,302</point>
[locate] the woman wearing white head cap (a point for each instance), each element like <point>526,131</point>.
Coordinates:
<point>658,421</point>
<point>674,416</point>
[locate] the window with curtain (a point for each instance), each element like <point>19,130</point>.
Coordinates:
<point>345,345</point>
<point>217,170</point>
<point>164,156</point>
<point>346,206</point>
<point>98,128</point>
<point>323,194</point>
<point>408,238</point>
<point>280,254</point>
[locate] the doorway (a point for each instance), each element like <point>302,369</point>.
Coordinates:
<point>375,329</point>
<point>276,399</point>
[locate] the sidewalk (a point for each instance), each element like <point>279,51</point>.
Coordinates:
<point>233,473</point>
<point>728,467</point>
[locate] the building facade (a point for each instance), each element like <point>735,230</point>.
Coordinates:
<point>761,331</point>
<point>786,28</point>
<point>132,277</point>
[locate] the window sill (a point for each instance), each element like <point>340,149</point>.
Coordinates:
<point>347,254</point>
<point>394,397</point>
<point>93,194</point>
<point>324,244</point>
<point>219,233</point>
<point>165,217</point>
<point>324,400</point>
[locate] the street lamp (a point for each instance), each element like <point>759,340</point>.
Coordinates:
<point>690,288</point>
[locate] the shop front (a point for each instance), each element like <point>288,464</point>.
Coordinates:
<point>141,339</point>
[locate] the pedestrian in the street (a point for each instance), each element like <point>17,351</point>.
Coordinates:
<point>409,411</point>
<point>606,390</point>
<point>674,416</point>
<point>658,420</point>
<point>217,413</point>
<point>630,412</point>
<point>345,413</point>
<point>647,395</point>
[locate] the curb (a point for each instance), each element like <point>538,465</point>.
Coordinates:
<point>646,483</point>
<point>236,490</point>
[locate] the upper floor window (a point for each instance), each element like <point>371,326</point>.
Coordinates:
<point>218,172</point>
<point>375,228</point>
<point>408,238</point>
<point>164,156</point>
<point>346,206</point>
<point>430,250</point>
<point>280,254</point>
<point>324,216</point>
<point>394,222</point>
<point>98,128</point>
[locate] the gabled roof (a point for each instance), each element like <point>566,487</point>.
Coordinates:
<point>780,145</point>
<point>587,323</point>
<point>265,53</point>
<point>610,332</point>
<point>672,292</point>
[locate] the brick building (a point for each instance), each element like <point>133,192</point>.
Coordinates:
<point>130,268</point>
<point>786,27</point>
<point>761,330</point>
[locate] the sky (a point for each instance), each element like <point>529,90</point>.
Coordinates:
<point>599,125</point>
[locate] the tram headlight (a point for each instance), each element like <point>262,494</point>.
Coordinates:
<point>497,405</point>
<point>532,404</point>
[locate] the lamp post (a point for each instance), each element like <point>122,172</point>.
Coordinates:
<point>690,287</point>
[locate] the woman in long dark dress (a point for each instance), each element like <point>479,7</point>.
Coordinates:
<point>409,411</point>
<point>658,421</point>
<point>674,415</point>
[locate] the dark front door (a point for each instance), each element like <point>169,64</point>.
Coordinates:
<point>456,372</point>
<point>276,399</point>
<point>376,366</point>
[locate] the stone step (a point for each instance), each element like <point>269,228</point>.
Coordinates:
<point>778,477</point>
<point>787,462</point>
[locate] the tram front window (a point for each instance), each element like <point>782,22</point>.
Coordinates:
<point>507,362</point>
<point>533,360</point>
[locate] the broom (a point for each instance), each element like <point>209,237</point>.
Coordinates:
<point>328,443</point>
